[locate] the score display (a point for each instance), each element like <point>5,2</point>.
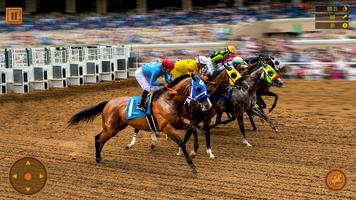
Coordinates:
<point>332,17</point>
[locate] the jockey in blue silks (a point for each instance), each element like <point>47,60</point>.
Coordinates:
<point>148,74</point>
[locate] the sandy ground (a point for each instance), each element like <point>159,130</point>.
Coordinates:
<point>317,122</point>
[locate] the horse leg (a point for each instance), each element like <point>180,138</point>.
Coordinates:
<point>187,135</point>
<point>98,148</point>
<point>224,122</point>
<point>250,116</point>
<point>217,120</point>
<point>196,142</point>
<point>153,140</point>
<point>272,94</point>
<point>261,103</point>
<point>264,117</point>
<point>206,127</point>
<point>196,145</point>
<point>172,134</point>
<point>133,141</point>
<point>240,121</point>
<point>103,137</point>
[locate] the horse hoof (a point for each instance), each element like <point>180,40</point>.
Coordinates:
<point>127,147</point>
<point>246,143</point>
<point>153,146</point>
<point>212,157</point>
<point>193,168</point>
<point>98,160</point>
<point>192,154</point>
<point>180,152</point>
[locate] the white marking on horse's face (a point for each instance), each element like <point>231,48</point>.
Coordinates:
<point>263,76</point>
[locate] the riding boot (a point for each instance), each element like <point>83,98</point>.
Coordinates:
<point>142,105</point>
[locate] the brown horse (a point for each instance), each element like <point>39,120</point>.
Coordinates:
<point>216,86</point>
<point>166,108</point>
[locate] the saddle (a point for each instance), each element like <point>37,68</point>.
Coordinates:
<point>132,112</point>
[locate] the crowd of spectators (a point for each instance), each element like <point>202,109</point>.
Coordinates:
<point>156,18</point>
<point>207,25</point>
<point>309,63</point>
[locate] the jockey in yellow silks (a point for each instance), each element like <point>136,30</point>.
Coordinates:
<point>233,69</point>
<point>189,66</point>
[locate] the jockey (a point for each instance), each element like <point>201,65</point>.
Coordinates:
<point>220,56</point>
<point>233,69</point>
<point>205,66</point>
<point>190,66</point>
<point>147,76</point>
<point>239,64</point>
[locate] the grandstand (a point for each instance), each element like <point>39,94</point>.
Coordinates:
<point>282,26</point>
<point>141,6</point>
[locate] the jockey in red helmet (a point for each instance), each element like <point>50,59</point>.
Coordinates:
<point>148,74</point>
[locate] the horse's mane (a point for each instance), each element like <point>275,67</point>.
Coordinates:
<point>171,84</point>
<point>215,75</point>
<point>253,74</point>
<point>265,60</point>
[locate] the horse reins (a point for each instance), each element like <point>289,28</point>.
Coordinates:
<point>176,92</point>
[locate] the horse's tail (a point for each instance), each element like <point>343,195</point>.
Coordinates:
<point>88,114</point>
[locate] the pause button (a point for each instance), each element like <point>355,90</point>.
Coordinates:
<point>14,15</point>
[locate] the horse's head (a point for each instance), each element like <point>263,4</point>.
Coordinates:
<point>190,88</point>
<point>199,93</point>
<point>271,76</point>
<point>273,62</point>
<point>217,84</point>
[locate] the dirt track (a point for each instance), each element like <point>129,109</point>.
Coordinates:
<point>317,133</point>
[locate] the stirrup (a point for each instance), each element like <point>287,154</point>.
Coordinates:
<point>141,108</point>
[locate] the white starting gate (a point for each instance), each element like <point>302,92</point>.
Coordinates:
<point>57,74</point>
<point>106,63</point>
<point>120,62</point>
<point>92,65</point>
<point>3,85</point>
<point>76,66</point>
<point>39,63</point>
<point>132,62</point>
<point>17,75</point>
<point>22,70</point>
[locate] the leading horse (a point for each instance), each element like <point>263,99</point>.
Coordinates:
<point>263,90</point>
<point>166,109</point>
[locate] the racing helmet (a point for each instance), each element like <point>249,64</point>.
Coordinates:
<point>167,64</point>
<point>238,62</point>
<point>202,60</point>
<point>231,48</point>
